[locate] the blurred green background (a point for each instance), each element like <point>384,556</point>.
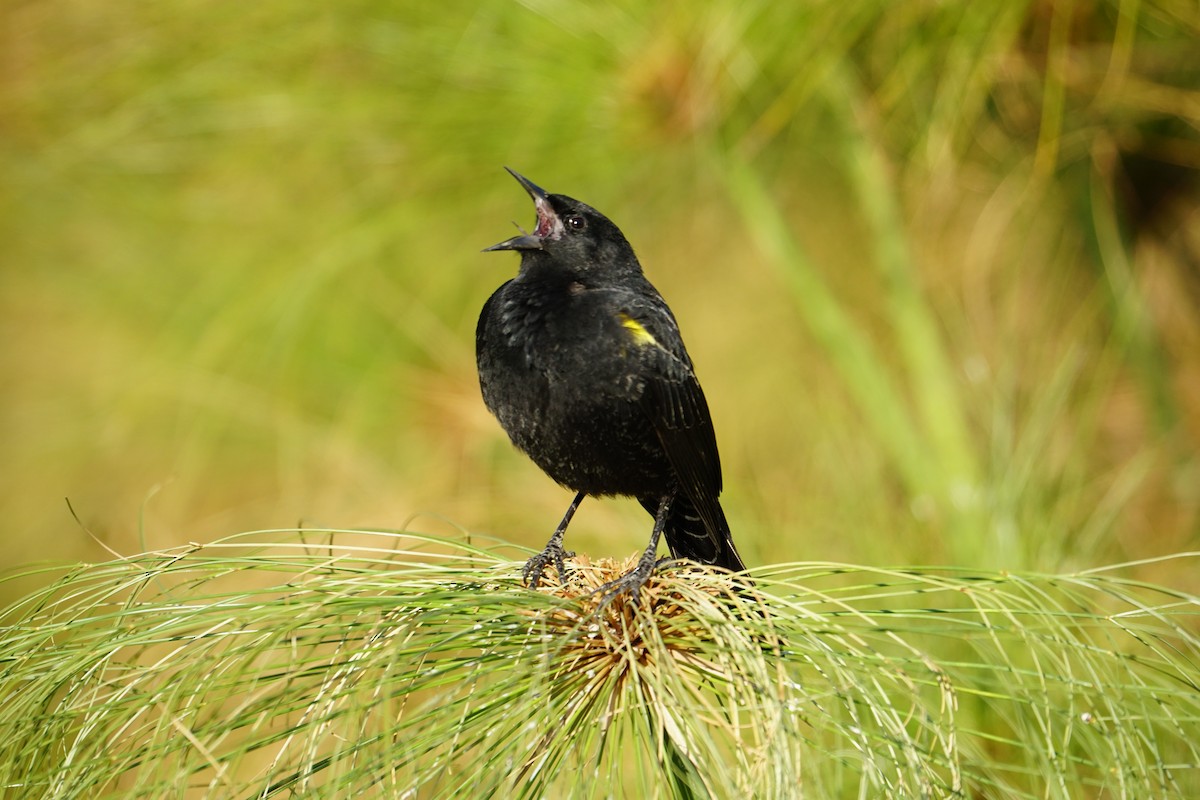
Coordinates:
<point>937,264</point>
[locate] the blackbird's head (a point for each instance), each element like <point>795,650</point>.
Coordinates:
<point>570,235</point>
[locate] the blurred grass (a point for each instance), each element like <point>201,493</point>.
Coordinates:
<point>936,264</point>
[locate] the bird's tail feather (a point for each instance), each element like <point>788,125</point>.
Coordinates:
<point>689,537</point>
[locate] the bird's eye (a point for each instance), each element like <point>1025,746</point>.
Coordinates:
<point>576,222</point>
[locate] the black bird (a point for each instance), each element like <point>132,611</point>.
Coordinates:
<point>582,362</point>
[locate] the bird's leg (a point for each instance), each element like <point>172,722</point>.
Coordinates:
<point>636,578</point>
<point>553,552</point>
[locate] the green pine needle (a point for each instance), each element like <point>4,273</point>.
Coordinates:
<point>389,664</point>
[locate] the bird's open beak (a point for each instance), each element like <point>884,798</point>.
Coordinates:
<point>549,226</point>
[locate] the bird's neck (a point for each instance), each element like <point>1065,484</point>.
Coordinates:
<point>546,275</point>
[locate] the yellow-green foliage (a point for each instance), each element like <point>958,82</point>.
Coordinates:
<point>931,260</point>
<point>386,665</point>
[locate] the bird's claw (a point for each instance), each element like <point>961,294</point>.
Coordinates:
<point>554,553</point>
<point>631,582</point>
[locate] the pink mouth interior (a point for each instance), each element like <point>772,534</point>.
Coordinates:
<point>545,219</point>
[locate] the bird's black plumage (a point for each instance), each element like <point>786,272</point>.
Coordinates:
<point>582,362</point>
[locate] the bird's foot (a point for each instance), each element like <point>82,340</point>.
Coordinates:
<point>632,581</point>
<point>554,554</point>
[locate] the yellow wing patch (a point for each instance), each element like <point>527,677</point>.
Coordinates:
<point>641,336</point>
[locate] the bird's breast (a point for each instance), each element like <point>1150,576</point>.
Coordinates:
<point>564,377</point>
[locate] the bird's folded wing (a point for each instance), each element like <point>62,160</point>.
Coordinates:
<point>675,404</point>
